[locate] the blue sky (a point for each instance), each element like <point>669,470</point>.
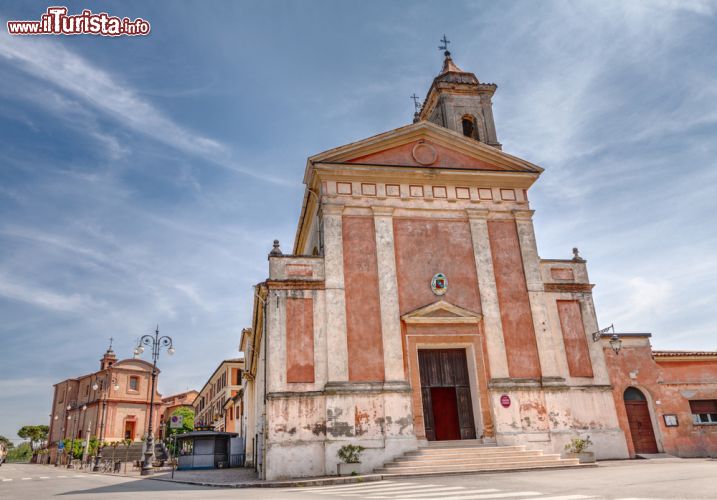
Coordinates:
<point>142,180</point>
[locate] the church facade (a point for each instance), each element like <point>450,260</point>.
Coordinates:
<point>415,307</point>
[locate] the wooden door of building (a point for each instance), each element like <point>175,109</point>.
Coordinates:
<point>129,429</point>
<point>446,394</point>
<point>638,418</point>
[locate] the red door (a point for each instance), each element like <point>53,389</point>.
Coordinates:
<point>638,417</point>
<point>446,394</point>
<point>445,413</point>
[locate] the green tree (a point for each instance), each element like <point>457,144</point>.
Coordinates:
<point>36,434</point>
<point>8,444</point>
<point>78,446</point>
<point>19,454</point>
<point>187,416</point>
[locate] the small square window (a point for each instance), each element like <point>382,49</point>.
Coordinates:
<point>134,383</point>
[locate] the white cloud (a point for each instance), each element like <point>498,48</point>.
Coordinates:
<point>44,298</point>
<point>52,63</point>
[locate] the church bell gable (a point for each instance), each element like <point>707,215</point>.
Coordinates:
<point>457,100</point>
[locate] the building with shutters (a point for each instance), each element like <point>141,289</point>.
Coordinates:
<point>415,307</point>
<point>210,405</point>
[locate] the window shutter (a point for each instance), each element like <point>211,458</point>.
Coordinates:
<point>704,406</point>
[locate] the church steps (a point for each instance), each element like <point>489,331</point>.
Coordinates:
<point>463,443</point>
<point>472,460</point>
<point>481,467</point>
<point>462,458</point>
<point>469,452</point>
<point>514,467</point>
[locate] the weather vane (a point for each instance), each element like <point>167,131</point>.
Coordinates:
<point>444,45</point>
<point>110,347</point>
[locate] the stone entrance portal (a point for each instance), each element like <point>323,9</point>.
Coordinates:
<point>446,394</point>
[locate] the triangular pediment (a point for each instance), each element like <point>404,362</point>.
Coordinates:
<point>425,144</point>
<point>441,312</point>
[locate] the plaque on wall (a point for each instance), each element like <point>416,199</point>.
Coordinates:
<point>670,420</point>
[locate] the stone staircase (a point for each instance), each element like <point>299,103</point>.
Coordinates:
<point>455,457</point>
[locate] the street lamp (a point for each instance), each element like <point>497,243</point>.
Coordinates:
<point>156,342</point>
<point>615,343</point>
<point>72,442</point>
<point>103,417</point>
<point>57,452</point>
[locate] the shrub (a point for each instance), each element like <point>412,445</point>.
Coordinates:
<point>350,453</point>
<point>578,445</point>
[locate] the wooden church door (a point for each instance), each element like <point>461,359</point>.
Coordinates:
<point>446,394</point>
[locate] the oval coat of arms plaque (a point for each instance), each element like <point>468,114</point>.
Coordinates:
<point>439,284</point>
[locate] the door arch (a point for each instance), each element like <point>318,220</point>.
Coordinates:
<point>639,421</point>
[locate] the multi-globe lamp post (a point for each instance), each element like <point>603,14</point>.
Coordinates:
<point>156,342</point>
<point>72,434</point>
<point>103,417</point>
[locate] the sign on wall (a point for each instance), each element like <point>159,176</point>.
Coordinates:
<point>505,401</point>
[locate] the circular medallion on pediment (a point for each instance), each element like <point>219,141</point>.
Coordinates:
<point>424,154</point>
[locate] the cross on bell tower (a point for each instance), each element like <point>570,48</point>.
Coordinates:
<point>444,45</point>
<point>459,101</point>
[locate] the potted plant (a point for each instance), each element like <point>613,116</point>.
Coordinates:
<point>350,455</point>
<point>578,448</point>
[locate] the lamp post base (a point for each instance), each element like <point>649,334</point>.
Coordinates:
<point>148,456</point>
<point>147,465</point>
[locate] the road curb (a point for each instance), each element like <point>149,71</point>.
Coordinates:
<point>297,483</point>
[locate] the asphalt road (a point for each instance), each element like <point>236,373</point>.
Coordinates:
<point>653,479</point>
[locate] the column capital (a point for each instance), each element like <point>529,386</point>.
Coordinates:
<point>523,214</point>
<point>478,213</point>
<point>332,209</point>
<point>382,211</point>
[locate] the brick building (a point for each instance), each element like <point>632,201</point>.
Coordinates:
<point>111,404</point>
<point>666,400</point>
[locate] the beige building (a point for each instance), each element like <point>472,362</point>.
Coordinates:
<point>213,406</point>
<point>110,404</point>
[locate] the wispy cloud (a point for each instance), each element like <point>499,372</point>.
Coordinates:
<point>95,87</point>
<point>43,298</point>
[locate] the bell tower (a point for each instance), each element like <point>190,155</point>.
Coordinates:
<point>109,357</point>
<point>458,101</point>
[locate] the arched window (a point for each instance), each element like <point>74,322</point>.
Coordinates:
<point>469,126</point>
<point>632,394</point>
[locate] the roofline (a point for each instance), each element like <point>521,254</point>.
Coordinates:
<point>80,377</point>
<point>627,335</point>
<point>237,360</point>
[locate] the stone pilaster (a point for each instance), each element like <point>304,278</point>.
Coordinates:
<point>336,341</point>
<point>388,295</point>
<point>549,340</point>
<point>492,326</point>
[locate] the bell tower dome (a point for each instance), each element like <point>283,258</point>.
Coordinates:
<point>458,101</point>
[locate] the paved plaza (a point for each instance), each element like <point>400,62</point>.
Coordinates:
<point>640,479</point>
